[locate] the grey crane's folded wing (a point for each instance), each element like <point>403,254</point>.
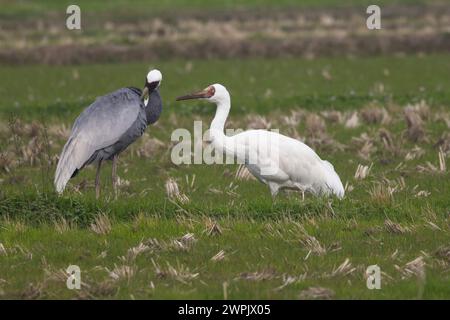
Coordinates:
<point>101,125</point>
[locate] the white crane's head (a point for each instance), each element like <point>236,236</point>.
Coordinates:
<point>215,93</point>
<point>152,81</point>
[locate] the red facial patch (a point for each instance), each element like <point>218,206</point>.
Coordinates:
<point>211,91</point>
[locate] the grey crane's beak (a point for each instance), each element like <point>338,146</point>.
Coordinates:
<point>148,89</point>
<point>203,94</point>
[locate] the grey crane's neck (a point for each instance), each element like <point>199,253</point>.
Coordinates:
<point>153,107</point>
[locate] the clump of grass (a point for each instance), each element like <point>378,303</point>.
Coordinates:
<point>3,251</point>
<point>183,243</point>
<point>443,253</point>
<point>344,269</point>
<point>256,121</point>
<point>7,161</point>
<point>442,163</point>
<point>96,290</point>
<point>243,174</point>
<point>414,267</point>
<point>316,293</point>
<point>431,168</point>
<point>59,130</point>
<point>102,224</point>
<point>382,193</point>
<point>333,116</point>
<point>122,272</point>
<point>212,227</point>
<point>352,121</point>
<point>264,275</point>
<point>149,147</point>
<point>133,252</point>
<point>362,172</point>
<point>180,273</point>
<point>219,256</point>
<point>315,125</point>
<point>415,153</point>
<point>387,139</point>
<point>313,245</point>
<point>33,291</point>
<point>62,225</point>
<point>174,193</point>
<point>17,225</point>
<point>416,131</point>
<point>374,115</point>
<point>444,142</point>
<point>396,228</point>
<point>366,146</point>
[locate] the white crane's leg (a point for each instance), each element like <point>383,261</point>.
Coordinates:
<point>273,189</point>
<point>114,175</point>
<point>97,180</point>
<point>302,190</point>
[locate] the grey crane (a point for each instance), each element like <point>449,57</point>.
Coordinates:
<point>106,128</point>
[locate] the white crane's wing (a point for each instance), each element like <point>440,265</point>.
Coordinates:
<point>275,157</point>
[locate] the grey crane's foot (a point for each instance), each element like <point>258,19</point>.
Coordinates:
<point>97,180</point>
<point>114,175</point>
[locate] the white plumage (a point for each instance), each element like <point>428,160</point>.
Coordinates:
<point>275,159</point>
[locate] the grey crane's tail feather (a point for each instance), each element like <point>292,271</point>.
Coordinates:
<point>334,183</point>
<point>75,153</point>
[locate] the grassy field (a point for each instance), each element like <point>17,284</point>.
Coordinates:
<point>221,235</point>
<point>256,85</point>
<point>28,8</point>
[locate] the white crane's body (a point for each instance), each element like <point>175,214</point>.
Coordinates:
<point>274,159</point>
<point>287,164</point>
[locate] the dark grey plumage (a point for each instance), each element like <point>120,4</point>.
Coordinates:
<point>106,128</point>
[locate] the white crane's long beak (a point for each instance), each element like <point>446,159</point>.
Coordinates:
<point>204,94</point>
<point>196,95</point>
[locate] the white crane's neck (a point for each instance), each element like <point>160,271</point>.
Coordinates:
<point>218,123</point>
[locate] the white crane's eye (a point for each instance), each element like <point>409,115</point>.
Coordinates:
<point>210,91</point>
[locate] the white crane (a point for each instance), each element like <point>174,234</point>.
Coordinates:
<point>276,160</point>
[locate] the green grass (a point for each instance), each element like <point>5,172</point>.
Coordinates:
<point>28,8</point>
<point>249,248</point>
<point>256,85</point>
<point>261,238</point>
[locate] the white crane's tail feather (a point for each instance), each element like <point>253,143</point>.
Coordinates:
<point>333,181</point>
<point>74,155</point>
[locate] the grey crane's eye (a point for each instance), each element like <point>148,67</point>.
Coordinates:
<point>152,85</point>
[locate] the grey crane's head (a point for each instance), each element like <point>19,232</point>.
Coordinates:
<point>152,81</point>
<point>215,93</point>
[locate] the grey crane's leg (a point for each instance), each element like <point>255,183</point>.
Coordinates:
<point>97,180</point>
<point>114,175</point>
